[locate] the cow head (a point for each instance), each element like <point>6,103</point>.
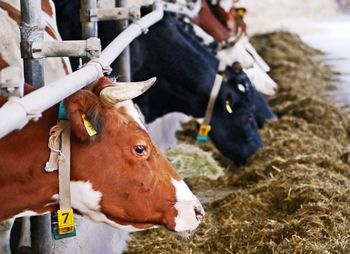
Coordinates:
<point>118,175</point>
<point>241,83</point>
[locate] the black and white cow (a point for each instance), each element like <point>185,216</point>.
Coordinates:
<point>186,71</point>
<point>185,78</point>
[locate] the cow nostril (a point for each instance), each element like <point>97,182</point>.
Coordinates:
<point>199,212</point>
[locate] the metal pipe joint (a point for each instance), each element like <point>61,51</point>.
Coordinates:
<point>120,13</point>
<point>90,48</point>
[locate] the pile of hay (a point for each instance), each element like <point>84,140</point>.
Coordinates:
<point>190,160</point>
<point>293,196</point>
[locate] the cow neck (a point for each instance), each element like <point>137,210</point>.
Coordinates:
<point>212,99</point>
<point>24,185</point>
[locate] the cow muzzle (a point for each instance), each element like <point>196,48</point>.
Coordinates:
<point>190,212</point>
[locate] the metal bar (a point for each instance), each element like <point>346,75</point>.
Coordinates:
<point>83,48</point>
<point>31,31</point>
<point>123,61</point>
<point>40,231</point>
<point>111,14</point>
<point>18,111</point>
<point>88,26</point>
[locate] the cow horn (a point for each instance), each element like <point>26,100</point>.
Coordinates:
<point>122,91</point>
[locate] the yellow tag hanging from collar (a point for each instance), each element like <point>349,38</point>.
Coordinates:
<point>228,107</point>
<point>88,126</point>
<point>65,221</point>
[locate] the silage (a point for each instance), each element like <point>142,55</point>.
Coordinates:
<point>293,195</point>
<point>190,160</point>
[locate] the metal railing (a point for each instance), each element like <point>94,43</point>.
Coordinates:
<point>17,112</point>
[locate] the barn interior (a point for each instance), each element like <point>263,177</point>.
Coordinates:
<point>267,157</point>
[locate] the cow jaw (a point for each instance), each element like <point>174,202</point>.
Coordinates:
<point>189,210</point>
<point>87,201</point>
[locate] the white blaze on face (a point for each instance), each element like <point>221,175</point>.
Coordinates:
<point>186,219</point>
<point>226,5</point>
<point>261,80</point>
<point>130,109</point>
<point>236,53</point>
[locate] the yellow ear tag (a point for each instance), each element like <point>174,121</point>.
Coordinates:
<point>88,126</point>
<point>228,107</point>
<point>241,12</point>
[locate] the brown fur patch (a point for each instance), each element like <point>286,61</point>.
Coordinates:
<point>16,14</point>
<point>50,31</point>
<point>208,22</point>
<point>12,12</point>
<point>3,63</point>
<point>47,7</point>
<point>100,84</point>
<point>65,66</point>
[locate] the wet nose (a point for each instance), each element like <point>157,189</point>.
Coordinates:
<point>199,212</point>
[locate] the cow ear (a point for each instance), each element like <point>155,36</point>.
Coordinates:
<point>84,111</point>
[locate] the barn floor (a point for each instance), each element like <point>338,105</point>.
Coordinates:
<point>293,196</point>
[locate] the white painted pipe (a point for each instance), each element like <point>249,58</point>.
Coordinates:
<point>17,112</point>
<point>128,35</point>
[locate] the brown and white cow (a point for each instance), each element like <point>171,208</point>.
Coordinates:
<point>118,176</point>
<point>208,22</point>
<point>111,182</point>
<point>54,68</point>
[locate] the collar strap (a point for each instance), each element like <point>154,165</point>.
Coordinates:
<point>64,167</point>
<point>204,129</point>
<point>212,99</point>
<point>59,144</point>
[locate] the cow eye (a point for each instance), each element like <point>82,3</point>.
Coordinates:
<point>140,150</point>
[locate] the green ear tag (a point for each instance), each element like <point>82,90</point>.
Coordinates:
<point>88,126</point>
<point>228,107</point>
